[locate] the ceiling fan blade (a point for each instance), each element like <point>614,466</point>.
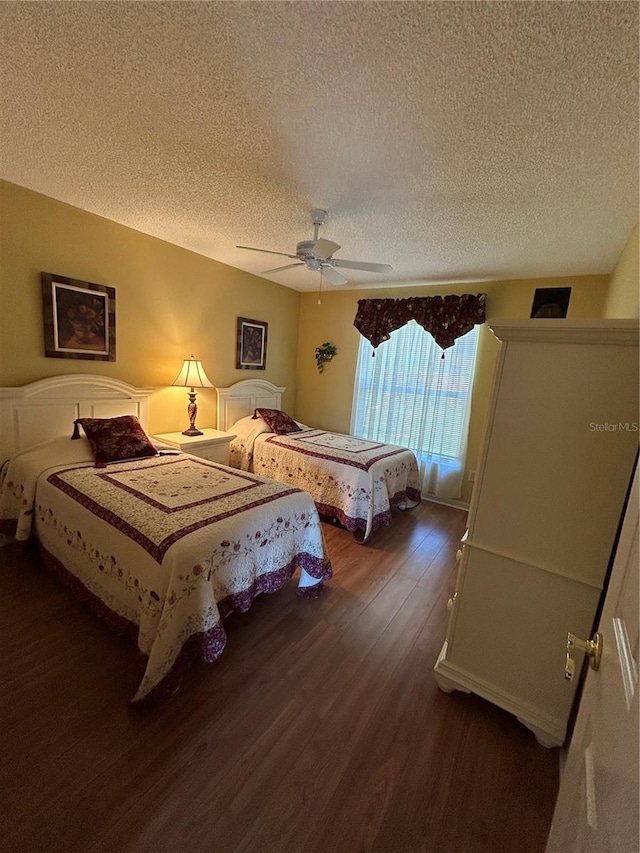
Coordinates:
<point>279,269</point>
<point>332,276</point>
<point>252,249</point>
<point>325,248</point>
<point>361,265</point>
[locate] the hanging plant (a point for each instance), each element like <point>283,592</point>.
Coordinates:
<point>324,353</point>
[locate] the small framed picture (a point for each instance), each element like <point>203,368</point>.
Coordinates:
<point>79,318</point>
<point>251,351</point>
<point>550,302</point>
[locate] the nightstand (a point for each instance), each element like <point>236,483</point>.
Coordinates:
<point>213,444</point>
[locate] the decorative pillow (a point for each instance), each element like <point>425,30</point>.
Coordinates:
<point>279,422</point>
<point>115,439</point>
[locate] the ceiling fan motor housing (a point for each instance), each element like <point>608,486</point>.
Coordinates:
<point>304,250</point>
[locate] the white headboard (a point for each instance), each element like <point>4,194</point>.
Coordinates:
<point>47,408</point>
<point>241,399</point>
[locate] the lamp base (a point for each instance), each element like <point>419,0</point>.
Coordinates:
<point>192,411</point>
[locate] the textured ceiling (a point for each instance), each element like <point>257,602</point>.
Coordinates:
<point>454,141</point>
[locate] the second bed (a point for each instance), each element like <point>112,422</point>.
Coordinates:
<point>351,479</point>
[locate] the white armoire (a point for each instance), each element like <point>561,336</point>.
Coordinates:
<point>558,453</point>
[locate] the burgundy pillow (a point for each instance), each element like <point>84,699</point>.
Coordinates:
<point>277,421</point>
<point>115,439</point>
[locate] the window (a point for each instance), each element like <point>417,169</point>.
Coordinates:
<point>409,395</point>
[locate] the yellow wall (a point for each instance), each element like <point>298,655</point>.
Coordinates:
<point>169,303</point>
<point>624,288</point>
<point>325,399</point>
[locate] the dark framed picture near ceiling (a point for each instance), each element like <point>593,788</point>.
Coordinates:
<point>79,318</point>
<point>251,348</point>
<point>550,302</point>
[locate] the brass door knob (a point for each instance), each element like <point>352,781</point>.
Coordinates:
<point>591,648</point>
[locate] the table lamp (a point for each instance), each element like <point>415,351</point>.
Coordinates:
<point>192,376</point>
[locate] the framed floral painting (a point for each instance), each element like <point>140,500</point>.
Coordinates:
<point>79,318</point>
<point>251,349</point>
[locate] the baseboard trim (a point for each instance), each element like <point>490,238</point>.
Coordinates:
<point>447,502</point>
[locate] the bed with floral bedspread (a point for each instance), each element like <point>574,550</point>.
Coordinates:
<point>166,546</point>
<point>351,479</point>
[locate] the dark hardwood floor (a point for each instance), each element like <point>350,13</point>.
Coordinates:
<point>319,730</point>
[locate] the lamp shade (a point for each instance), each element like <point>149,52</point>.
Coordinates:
<point>192,375</point>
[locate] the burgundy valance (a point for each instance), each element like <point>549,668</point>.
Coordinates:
<point>444,317</point>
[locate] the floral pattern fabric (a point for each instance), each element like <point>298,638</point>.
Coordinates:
<point>169,545</point>
<point>115,439</point>
<point>446,318</point>
<point>277,421</point>
<point>352,479</point>
<point>241,447</point>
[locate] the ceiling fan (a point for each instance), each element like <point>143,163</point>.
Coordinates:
<point>317,254</point>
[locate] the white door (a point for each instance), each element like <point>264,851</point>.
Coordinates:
<point>597,807</point>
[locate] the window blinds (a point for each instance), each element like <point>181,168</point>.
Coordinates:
<point>409,395</point>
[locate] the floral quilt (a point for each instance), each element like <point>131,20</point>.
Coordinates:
<point>352,479</point>
<point>169,544</point>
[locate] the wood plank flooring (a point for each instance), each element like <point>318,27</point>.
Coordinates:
<point>319,730</point>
